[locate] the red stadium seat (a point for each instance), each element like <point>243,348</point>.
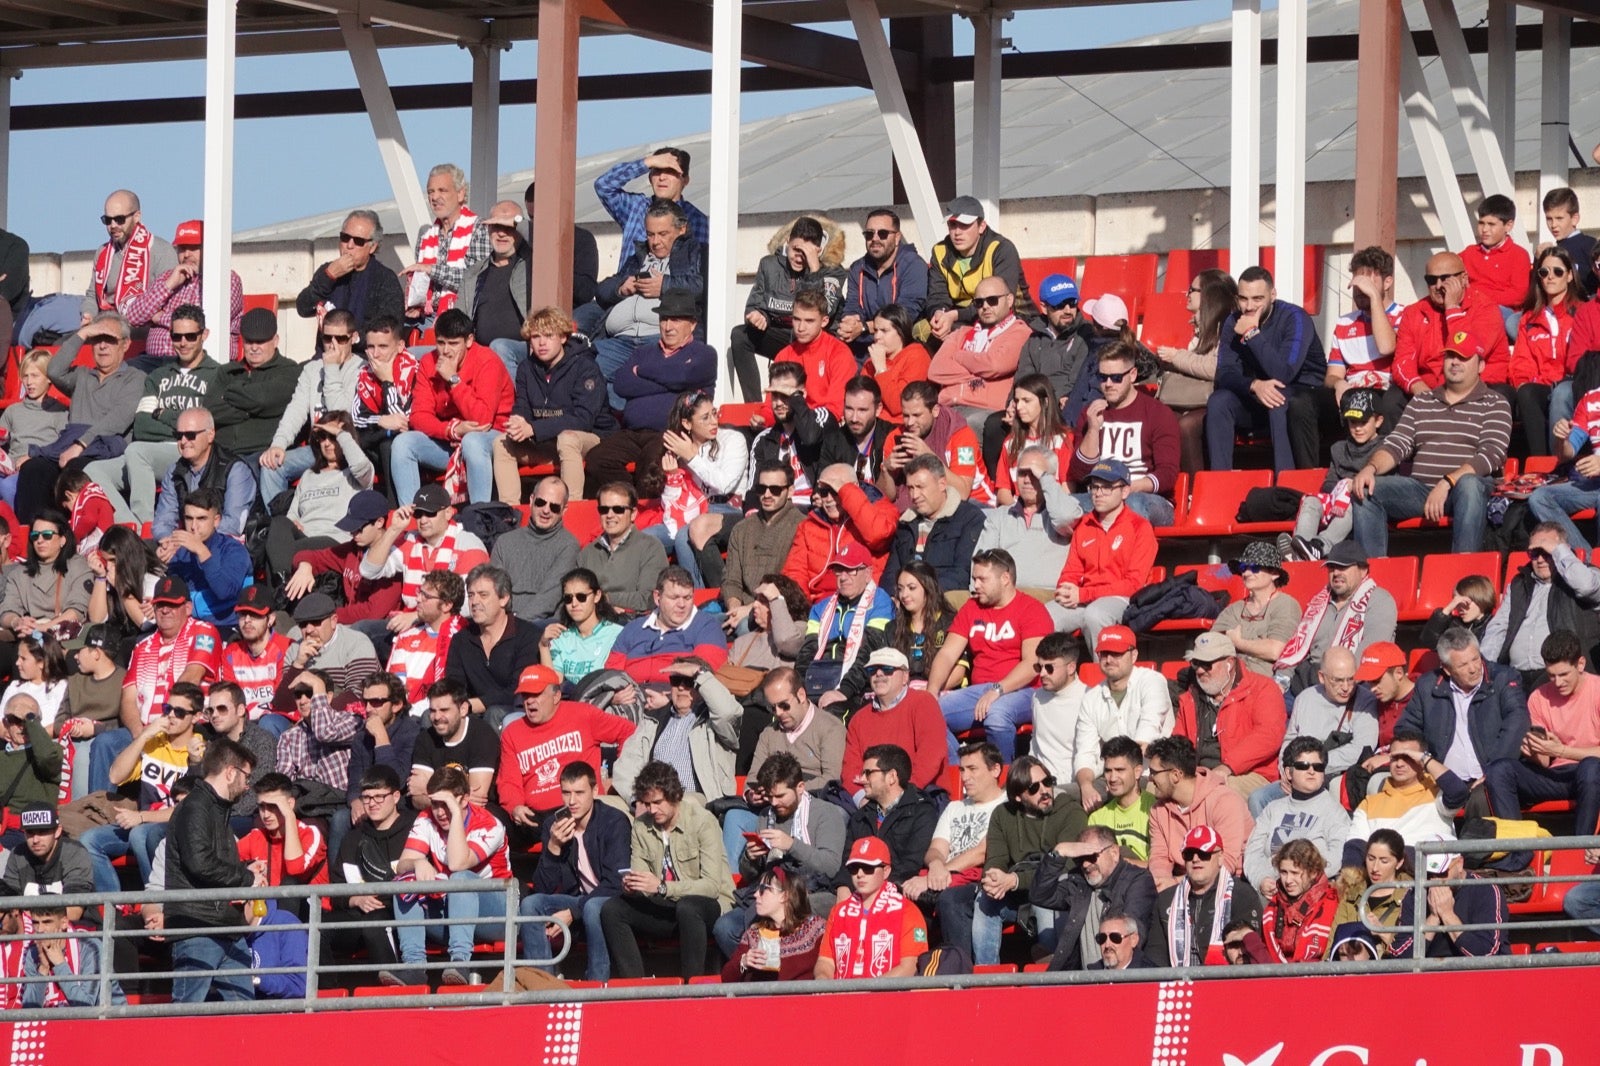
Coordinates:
<point>1036,270</point>
<point>704,597</point>
<point>1540,464</point>
<point>1164,319</point>
<point>582,519</point>
<point>1312,271</point>
<point>1571,947</point>
<point>1440,574</point>
<point>1215,578</point>
<point>1214,500</point>
<point>1036,967</point>
<point>1306,481</point>
<point>1184,263</point>
<point>1171,670</point>
<point>1090,673</point>
<point>738,415</point>
<point>1306,579</point>
<point>706,979</point>
<point>1397,575</point>
<point>1129,276</point>
<point>996,967</point>
<point>368,991</point>
<point>1422,661</point>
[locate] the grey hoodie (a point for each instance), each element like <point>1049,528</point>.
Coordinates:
<point>1320,819</point>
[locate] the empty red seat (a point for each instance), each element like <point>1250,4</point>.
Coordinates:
<point>1306,579</point>
<point>1090,673</point>
<point>996,967</point>
<point>367,991</point>
<point>582,519</point>
<point>1171,670</point>
<point>1184,263</point>
<point>703,597</point>
<point>706,979</point>
<point>1214,500</point>
<point>1311,271</point>
<point>1129,276</point>
<point>1441,571</point>
<point>644,982</point>
<point>1036,270</point>
<point>1164,319</point>
<point>738,415</point>
<point>1306,481</point>
<point>1396,575</point>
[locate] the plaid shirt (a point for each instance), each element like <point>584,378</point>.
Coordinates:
<point>628,208</point>
<point>319,745</point>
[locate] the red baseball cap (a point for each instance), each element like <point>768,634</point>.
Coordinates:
<point>1203,838</point>
<point>1116,639</point>
<point>535,679</point>
<point>1378,660</point>
<point>191,232</point>
<point>1465,344</point>
<point>868,851</point>
<point>850,556</point>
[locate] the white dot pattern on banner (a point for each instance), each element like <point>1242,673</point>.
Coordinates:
<point>1170,1042</point>
<point>27,1044</point>
<point>561,1035</point>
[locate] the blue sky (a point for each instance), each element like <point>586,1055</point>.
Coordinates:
<point>286,168</point>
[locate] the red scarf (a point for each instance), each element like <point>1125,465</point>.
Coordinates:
<point>379,398</point>
<point>866,942</point>
<point>88,539</point>
<point>438,303</point>
<point>682,499</point>
<point>1284,921</point>
<point>134,277</point>
<point>421,560</point>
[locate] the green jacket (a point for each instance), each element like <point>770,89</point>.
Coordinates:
<point>247,404</point>
<point>31,775</point>
<point>698,857</point>
<point>1016,833</point>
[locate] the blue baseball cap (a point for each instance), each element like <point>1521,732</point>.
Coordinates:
<point>1057,289</point>
<point>1111,471</point>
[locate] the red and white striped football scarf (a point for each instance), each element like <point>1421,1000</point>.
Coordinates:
<point>455,255</point>
<point>134,276</point>
<point>421,560</point>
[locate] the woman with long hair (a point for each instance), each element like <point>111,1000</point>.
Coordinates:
<point>125,575</point>
<point>894,358</point>
<point>1384,861</point>
<point>1035,419</point>
<point>781,943</point>
<point>339,470</point>
<point>577,642</point>
<point>50,589</point>
<point>1297,917</point>
<point>922,617</point>
<point>702,464</point>
<point>1540,359</point>
<point>41,672</point>
<point>1186,383</point>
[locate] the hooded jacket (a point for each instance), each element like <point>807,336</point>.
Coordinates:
<point>869,520</point>
<point>1250,723</point>
<point>569,395</point>
<point>776,284</point>
<point>951,542</point>
<point>1214,804</point>
<point>1059,885</point>
<point>1497,716</point>
<point>904,281</point>
<point>907,828</point>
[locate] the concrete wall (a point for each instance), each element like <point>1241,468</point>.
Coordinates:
<point>1109,224</point>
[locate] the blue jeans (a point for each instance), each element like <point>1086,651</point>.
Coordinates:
<point>586,909</point>
<point>296,461</point>
<point>1157,510</point>
<point>1558,503</point>
<point>411,451</point>
<point>210,953</point>
<point>513,352</point>
<point>735,824</point>
<point>477,451</point>
<point>1395,498</point>
<point>1264,795</point>
<point>1000,726</point>
<point>589,318</point>
<point>276,724</point>
<point>1582,902</point>
<point>1227,411</point>
<point>103,751</point>
<point>107,842</point>
<point>1562,402</point>
<point>1511,783</point>
<point>983,918</point>
<point>729,929</point>
<point>458,938</point>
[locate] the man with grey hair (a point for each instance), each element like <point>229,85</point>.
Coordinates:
<point>447,248</point>
<point>1121,943</point>
<point>1470,712</point>
<point>497,291</point>
<point>1037,528</point>
<point>203,464</point>
<point>1554,590</point>
<point>105,397</point>
<point>1084,881</point>
<point>490,652</point>
<point>939,528</point>
<point>353,281</point>
<point>129,262</point>
<point>536,556</point>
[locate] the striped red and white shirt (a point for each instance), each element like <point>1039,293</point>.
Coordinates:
<point>419,656</point>
<point>485,836</point>
<point>457,551</point>
<point>1355,350</point>
<point>258,677</point>
<point>156,663</point>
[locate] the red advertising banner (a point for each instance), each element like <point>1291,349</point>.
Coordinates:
<point>1362,1020</point>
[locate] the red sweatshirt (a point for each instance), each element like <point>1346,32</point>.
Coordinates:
<point>1540,356</point>
<point>829,363</point>
<point>363,599</point>
<point>869,522</point>
<point>533,756</point>
<point>310,869</point>
<point>1585,337</point>
<point>1425,330</point>
<point>915,724</point>
<point>1499,273</point>
<point>1112,560</point>
<point>1143,435</point>
<point>484,394</point>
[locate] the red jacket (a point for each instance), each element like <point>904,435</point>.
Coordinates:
<point>484,394</point>
<point>869,522</point>
<point>1425,330</point>
<point>1540,356</point>
<point>1585,337</point>
<point>310,869</point>
<point>1110,562</point>
<point>1500,273</point>
<point>363,599</point>
<point>1250,723</point>
<point>829,364</point>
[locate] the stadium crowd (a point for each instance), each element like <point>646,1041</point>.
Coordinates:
<point>843,687</point>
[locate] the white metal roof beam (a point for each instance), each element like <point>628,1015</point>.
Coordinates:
<point>1578,9</point>
<point>402,16</point>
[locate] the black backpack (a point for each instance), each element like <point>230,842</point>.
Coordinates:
<point>489,520</point>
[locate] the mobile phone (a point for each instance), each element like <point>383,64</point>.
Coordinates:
<point>1538,730</point>
<point>755,838</point>
<point>643,275</point>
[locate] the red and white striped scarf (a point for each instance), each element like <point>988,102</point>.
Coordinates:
<point>89,540</point>
<point>421,560</point>
<point>73,950</point>
<point>375,397</point>
<point>12,953</point>
<point>133,278</point>
<point>456,255</point>
<point>69,758</point>
<point>683,500</point>
<point>1348,635</point>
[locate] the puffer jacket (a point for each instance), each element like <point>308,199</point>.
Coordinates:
<point>869,520</point>
<point>776,284</point>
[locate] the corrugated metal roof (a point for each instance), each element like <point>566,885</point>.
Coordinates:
<point>1076,136</point>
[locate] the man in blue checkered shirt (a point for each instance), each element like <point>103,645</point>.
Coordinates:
<point>669,173</point>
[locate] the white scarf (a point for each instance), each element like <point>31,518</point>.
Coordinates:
<point>799,827</point>
<point>853,635</point>
<point>1348,636</point>
<point>1179,923</point>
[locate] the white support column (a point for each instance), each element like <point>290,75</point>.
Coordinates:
<point>986,115</point>
<point>902,133</point>
<point>727,44</point>
<point>1555,103</point>
<point>1443,188</point>
<point>485,172</point>
<point>6,77</point>
<point>1502,94</point>
<point>1488,157</point>
<point>217,247</point>
<point>1290,184</point>
<point>1244,180</point>
<point>397,163</point>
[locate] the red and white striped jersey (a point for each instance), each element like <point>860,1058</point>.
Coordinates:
<point>156,664</point>
<point>258,677</point>
<point>485,836</point>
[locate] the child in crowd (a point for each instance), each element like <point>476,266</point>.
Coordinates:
<point>1497,266</point>
<point>1326,518</point>
<point>1561,219</point>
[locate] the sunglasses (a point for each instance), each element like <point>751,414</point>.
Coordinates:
<point>615,508</point>
<point>1115,938</point>
<point>301,692</point>
<point>1120,375</point>
<point>351,238</point>
<point>880,234</point>
<point>375,701</point>
<point>989,301</point>
<point>43,534</point>
<point>1048,781</point>
<point>423,514</point>
<point>176,711</point>
<point>784,705</point>
<point>576,597</point>
<point>1190,854</point>
<point>108,220</point>
<point>874,671</point>
<point>189,434</point>
<point>335,338</point>
<point>679,681</point>
<point>767,886</point>
<point>1552,272</point>
<point>548,505</point>
<point>1064,303</point>
<point>1301,764</point>
<point>1206,667</point>
<point>823,492</point>
<point>102,338</point>
<point>14,722</point>
<point>1251,568</point>
<point>184,337</point>
<point>1045,668</point>
<point>772,490</point>
<point>1434,279</point>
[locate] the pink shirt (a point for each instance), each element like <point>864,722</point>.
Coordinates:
<point>1573,720</point>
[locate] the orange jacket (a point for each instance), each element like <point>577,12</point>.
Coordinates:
<point>1250,723</point>
<point>869,521</point>
<point>310,869</point>
<point>1110,562</point>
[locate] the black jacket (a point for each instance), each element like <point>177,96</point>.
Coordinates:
<point>949,548</point>
<point>1059,885</point>
<point>367,855</point>
<point>819,441</point>
<point>1139,961</point>
<point>203,853</point>
<point>1245,906</point>
<point>686,264</point>
<point>907,829</point>
<point>1564,609</point>
<point>1061,358</point>
<point>608,840</point>
<point>366,294</point>
<point>493,678</point>
<point>570,395</point>
<point>1497,718</point>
